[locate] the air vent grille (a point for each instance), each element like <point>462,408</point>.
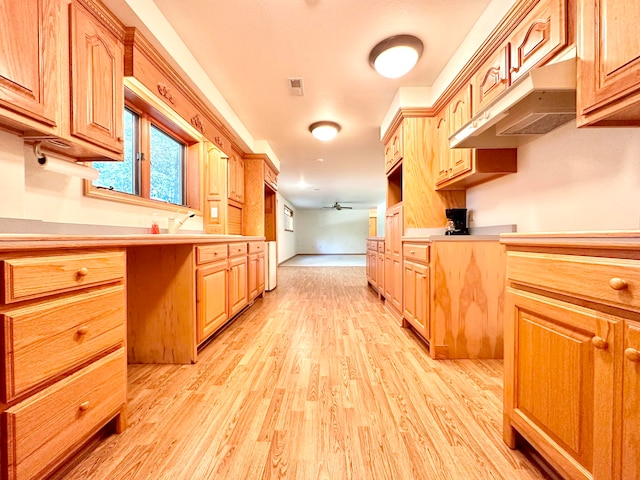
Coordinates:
<point>296,86</point>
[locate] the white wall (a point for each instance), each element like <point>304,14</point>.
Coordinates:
<point>331,231</point>
<point>28,192</point>
<point>568,180</point>
<point>286,240</point>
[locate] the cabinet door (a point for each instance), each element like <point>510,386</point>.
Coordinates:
<point>442,146</point>
<point>561,359</point>
<point>409,289</point>
<point>239,179</point>
<point>491,79</point>
<point>237,285</point>
<point>216,171</point>
<point>380,273</point>
<point>540,34</point>
<point>261,273</point>
<point>29,68</point>
<point>211,299</point>
<point>609,66</point>
<point>631,402</point>
<point>97,91</point>
<point>459,114</point>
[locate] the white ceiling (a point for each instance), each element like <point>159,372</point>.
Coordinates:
<point>249,49</point>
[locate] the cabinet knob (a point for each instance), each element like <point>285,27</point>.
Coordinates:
<point>83,330</point>
<point>412,252</point>
<point>84,406</point>
<point>618,283</point>
<point>83,272</point>
<point>120,139</point>
<point>599,342</point>
<point>632,354</point>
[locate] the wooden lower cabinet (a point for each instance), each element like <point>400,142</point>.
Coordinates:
<point>257,271</point>
<point>467,298</point>
<point>238,295</point>
<point>64,366</point>
<point>416,287</point>
<point>212,296</point>
<point>393,261</point>
<point>572,355</point>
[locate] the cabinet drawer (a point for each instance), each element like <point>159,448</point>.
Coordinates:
<point>237,249</point>
<point>33,277</point>
<point>210,253</point>
<point>603,280</point>
<point>380,247</point>
<point>416,251</point>
<point>49,338</point>
<point>256,247</point>
<point>45,427</point>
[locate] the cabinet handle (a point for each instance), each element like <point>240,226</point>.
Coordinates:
<point>83,272</point>
<point>632,354</point>
<point>412,252</point>
<point>618,283</point>
<point>83,330</point>
<point>84,406</point>
<point>599,342</point>
<point>120,139</point>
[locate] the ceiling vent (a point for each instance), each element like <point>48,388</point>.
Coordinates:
<point>296,86</point>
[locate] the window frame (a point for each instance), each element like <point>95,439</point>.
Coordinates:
<point>153,112</point>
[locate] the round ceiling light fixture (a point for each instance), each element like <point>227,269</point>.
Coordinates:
<point>324,130</point>
<point>395,56</point>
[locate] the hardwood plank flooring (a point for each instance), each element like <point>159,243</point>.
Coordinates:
<point>315,381</point>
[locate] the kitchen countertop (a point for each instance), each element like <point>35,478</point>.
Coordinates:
<point>42,241</point>
<point>611,239</point>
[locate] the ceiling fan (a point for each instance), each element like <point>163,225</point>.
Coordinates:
<point>337,206</point>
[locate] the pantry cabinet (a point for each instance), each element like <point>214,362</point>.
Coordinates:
<point>30,72</point>
<point>64,374</point>
<point>571,352</point>
<point>608,63</point>
<point>393,261</point>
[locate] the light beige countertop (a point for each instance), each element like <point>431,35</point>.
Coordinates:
<point>42,241</point>
<point>610,239</point>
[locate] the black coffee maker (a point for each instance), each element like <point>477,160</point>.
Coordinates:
<point>456,221</point>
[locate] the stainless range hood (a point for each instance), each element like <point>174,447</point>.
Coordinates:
<point>542,100</point>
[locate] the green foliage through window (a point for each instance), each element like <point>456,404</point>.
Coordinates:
<point>123,176</point>
<point>167,168</point>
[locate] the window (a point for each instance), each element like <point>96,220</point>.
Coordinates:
<point>123,176</point>
<point>288,219</point>
<point>161,160</point>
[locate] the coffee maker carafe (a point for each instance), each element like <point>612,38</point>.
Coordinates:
<point>456,221</point>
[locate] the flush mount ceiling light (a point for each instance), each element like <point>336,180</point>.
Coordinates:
<point>395,56</point>
<point>324,130</point>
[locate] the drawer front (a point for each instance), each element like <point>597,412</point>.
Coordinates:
<point>48,425</point>
<point>210,253</point>
<point>49,338</point>
<point>256,247</point>
<point>237,249</point>
<point>603,280</point>
<point>33,277</point>
<point>380,247</point>
<point>416,251</point>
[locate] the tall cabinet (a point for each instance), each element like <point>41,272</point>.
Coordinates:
<point>412,199</point>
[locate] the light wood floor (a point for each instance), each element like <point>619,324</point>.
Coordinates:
<point>315,381</point>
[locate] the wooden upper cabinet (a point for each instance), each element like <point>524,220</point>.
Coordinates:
<point>442,150</point>
<point>235,172</point>
<point>459,114</point>
<point>541,33</point>
<point>491,79</point>
<point>394,148</point>
<point>97,73</point>
<point>270,176</point>
<point>29,63</point>
<point>608,63</point>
